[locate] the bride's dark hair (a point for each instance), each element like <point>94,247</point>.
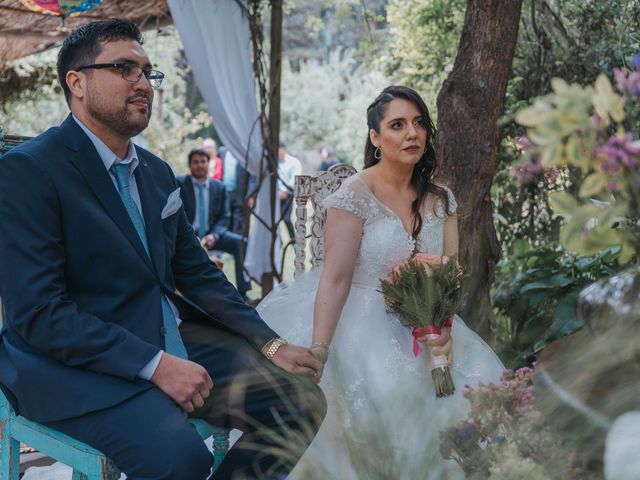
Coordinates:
<point>421,178</point>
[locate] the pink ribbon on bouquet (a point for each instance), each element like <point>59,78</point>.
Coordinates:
<point>418,332</point>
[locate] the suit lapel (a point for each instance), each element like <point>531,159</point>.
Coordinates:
<point>189,199</point>
<point>88,162</point>
<point>151,210</point>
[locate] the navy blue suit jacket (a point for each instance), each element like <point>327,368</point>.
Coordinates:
<point>83,298</point>
<point>219,209</point>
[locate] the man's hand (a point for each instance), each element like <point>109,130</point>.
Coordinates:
<point>298,360</point>
<point>186,382</point>
<point>209,241</point>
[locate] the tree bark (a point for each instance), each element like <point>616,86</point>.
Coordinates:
<point>469,105</point>
<point>272,135</point>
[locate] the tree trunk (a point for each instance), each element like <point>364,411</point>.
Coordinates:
<point>469,105</point>
<point>272,135</point>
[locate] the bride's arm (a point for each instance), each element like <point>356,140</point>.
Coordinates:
<point>343,233</point>
<point>450,237</point>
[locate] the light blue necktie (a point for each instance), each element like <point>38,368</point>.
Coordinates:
<point>172,340</point>
<point>202,219</point>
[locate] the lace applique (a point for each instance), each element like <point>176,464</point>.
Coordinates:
<point>347,199</point>
<point>398,361</point>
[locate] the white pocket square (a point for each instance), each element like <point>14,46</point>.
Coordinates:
<point>174,202</point>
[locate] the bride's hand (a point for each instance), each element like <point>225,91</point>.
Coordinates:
<point>441,345</point>
<point>321,352</point>
<point>298,360</point>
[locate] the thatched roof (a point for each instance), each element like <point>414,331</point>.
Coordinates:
<point>23,32</point>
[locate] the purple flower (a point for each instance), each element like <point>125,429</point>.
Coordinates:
<point>627,83</point>
<point>468,431</point>
<point>618,153</point>
<point>636,61</point>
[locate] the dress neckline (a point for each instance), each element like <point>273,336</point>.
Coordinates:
<point>393,212</point>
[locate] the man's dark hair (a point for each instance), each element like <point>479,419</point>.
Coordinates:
<point>198,151</point>
<point>82,46</point>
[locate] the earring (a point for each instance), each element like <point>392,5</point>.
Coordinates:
<point>377,153</point>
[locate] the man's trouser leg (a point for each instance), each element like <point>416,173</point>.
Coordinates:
<point>147,436</point>
<point>250,393</point>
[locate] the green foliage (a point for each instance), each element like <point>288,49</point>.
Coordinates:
<point>424,40</point>
<point>326,103</point>
<point>566,128</point>
<point>534,296</point>
<point>573,39</point>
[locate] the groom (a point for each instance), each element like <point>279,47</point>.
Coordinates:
<point>118,326</point>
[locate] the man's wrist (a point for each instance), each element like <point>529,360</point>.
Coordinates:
<point>271,347</point>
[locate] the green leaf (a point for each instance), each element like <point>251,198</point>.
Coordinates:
<point>606,101</point>
<point>593,185</point>
<point>535,286</point>
<point>565,320</point>
<point>559,85</point>
<point>562,204</point>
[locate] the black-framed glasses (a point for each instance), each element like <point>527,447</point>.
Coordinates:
<point>131,72</point>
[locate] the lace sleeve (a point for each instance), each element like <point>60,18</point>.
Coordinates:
<point>453,204</point>
<point>354,197</point>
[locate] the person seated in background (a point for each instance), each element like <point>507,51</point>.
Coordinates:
<point>207,208</point>
<point>328,156</point>
<point>216,163</point>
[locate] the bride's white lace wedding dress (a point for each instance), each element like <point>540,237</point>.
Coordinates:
<point>384,418</point>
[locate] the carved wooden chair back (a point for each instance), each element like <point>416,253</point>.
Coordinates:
<point>314,188</point>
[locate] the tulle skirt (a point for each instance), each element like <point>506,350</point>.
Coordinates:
<point>383,419</point>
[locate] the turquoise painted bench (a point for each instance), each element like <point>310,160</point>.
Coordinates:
<point>87,462</point>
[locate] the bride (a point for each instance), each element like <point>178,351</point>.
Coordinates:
<point>384,417</point>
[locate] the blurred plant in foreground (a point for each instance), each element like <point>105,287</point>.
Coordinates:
<point>505,435</point>
<point>587,128</point>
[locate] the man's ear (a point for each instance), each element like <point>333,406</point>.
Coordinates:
<point>77,83</point>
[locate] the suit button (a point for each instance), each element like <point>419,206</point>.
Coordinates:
<point>163,331</point>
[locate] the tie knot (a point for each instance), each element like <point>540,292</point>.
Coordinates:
<point>200,186</point>
<point>121,172</point>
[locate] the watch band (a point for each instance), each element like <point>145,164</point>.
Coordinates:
<point>273,348</point>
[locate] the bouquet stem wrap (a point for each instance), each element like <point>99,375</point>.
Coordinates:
<point>440,364</point>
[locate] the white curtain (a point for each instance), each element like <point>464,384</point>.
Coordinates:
<point>217,42</point>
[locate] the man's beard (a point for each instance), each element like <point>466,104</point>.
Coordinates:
<point>120,120</point>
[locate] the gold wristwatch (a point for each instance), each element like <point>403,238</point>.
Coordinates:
<point>276,343</point>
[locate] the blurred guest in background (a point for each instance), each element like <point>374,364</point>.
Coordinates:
<point>207,208</point>
<point>288,167</point>
<point>328,157</point>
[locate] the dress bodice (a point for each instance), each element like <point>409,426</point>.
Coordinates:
<point>385,242</point>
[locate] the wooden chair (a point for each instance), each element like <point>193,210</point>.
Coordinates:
<point>87,462</point>
<point>314,188</point>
